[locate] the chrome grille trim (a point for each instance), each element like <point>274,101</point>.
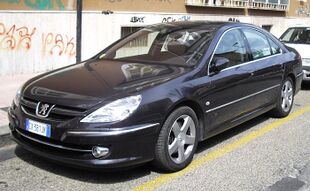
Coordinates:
<point>60,111</point>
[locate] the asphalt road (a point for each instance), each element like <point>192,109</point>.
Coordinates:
<point>262,154</point>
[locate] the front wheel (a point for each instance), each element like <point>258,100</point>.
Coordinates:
<point>177,140</point>
<point>285,100</point>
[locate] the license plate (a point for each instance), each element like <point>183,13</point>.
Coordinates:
<point>38,128</point>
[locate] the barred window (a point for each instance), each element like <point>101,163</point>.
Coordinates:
<point>139,42</point>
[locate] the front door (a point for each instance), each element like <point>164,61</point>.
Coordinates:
<point>226,97</point>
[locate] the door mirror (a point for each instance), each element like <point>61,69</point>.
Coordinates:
<point>219,64</point>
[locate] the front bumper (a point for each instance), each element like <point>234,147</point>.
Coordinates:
<point>128,146</point>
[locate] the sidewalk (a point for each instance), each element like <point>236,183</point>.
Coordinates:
<point>8,88</point>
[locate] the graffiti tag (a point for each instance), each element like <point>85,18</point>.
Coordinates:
<point>56,44</point>
<point>234,20</point>
<point>38,4</point>
<point>14,38</point>
<point>303,11</point>
<point>120,1</point>
<point>174,19</point>
<point>137,19</point>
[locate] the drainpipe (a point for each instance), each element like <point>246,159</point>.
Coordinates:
<point>79,8</point>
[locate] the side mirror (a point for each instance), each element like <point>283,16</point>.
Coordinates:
<point>218,64</point>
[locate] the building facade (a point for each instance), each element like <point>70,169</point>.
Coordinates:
<point>37,36</point>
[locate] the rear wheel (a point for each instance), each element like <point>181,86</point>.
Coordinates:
<point>177,140</point>
<point>285,100</point>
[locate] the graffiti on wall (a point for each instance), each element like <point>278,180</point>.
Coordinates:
<point>137,19</point>
<point>157,1</point>
<point>15,38</point>
<point>21,38</point>
<point>38,4</point>
<point>303,11</point>
<point>174,19</point>
<point>233,20</point>
<point>57,44</point>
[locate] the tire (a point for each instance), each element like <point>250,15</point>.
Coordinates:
<point>285,99</point>
<point>177,141</point>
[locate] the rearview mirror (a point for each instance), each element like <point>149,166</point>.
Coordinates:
<point>218,64</point>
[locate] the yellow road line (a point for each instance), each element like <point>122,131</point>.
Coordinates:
<point>163,179</point>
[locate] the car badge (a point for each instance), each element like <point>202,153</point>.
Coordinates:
<point>43,109</point>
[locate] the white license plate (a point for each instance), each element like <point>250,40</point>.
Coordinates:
<point>38,128</point>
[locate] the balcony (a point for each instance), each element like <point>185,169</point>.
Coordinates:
<point>274,5</point>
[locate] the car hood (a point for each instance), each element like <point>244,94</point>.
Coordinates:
<point>302,49</point>
<point>90,83</point>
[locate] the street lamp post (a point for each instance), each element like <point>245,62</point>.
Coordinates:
<point>79,8</point>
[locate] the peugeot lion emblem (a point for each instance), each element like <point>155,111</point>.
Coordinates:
<point>43,109</point>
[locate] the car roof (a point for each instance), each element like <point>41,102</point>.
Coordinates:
<point>200,24</point>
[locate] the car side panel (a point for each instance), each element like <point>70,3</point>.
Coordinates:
<point>226,98</point>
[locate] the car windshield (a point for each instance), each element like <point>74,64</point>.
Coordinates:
<point>296,35</point>
<point>162,44</point>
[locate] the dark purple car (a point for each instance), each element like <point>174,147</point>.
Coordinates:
<point>153,95</point>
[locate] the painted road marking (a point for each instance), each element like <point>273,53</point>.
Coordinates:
<point>198,162</point>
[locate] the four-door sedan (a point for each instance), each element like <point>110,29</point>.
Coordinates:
<point>299,39</point>
<point>153,95</point>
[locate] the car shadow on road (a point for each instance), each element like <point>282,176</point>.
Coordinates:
<point>305,86</point>
<point>213,141</point>
<point>124,175</point>
<point>84,175</point>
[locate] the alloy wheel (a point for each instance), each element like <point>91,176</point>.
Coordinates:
<point>181,139</point>
<point>287,96</point>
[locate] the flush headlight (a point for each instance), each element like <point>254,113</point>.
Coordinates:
<point>115,111</point>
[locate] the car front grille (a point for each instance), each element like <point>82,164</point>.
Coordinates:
<point>58,113</point>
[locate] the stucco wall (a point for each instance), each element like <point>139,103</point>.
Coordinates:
<point>108,27</point>
<point>32,42</point>
<point>36,42</point>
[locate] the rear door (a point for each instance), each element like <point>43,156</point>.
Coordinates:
<point>267,59</point>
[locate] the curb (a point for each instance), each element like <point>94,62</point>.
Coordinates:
<point>5,137</point>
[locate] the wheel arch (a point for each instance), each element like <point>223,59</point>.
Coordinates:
<point>197,109</point>
<point>292,76</point>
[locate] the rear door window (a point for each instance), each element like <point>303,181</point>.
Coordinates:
<point>275,49</point>
<point>258,43</point>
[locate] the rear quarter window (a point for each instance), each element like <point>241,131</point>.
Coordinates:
<point>275,49</point>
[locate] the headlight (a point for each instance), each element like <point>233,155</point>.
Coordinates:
<point>306,62</point>
<point>17,97</point>
<point>115,111</point>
